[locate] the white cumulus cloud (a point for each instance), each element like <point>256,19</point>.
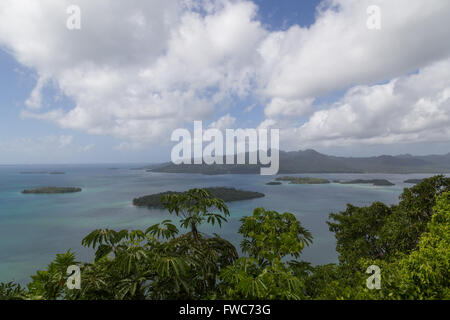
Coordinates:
<point>414,108</point>
<point>139,69</point>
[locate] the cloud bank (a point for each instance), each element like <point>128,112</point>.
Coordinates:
<point>139,69</point>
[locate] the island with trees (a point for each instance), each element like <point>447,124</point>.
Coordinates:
<point>52,190</point>
<point>375,182</point>
<point>42,172</point>
<point>303,180</point>
<point>413,181</point>
<point>273,183</point>
<point>223,193</point>
<point>33,172</point>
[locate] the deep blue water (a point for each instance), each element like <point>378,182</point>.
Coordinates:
<point>33,228</point>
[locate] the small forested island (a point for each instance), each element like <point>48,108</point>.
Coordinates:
<point>273,183</point>
<point>375,182</point>
<point>413,181</point>
<point>42,172</point>
<point>226,194</point>
<point>52,190</point>
<point>303,180</point>
<point>33,172</point>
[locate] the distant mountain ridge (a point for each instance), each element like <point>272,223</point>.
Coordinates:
<point>311,161</point>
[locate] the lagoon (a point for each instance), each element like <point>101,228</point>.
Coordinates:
<point>34,227</point>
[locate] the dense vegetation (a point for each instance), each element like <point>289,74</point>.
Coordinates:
<point>51,190</point>
<point>413,181</point>
<point>375,182</point>
<point>409,242</point>
<point>225,194</point>
<point>273,183</point>
<point>303,180</point>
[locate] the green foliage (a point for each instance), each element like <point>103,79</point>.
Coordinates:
<point>269,235</point>
<point>421,273</point>
<point>50,283</point>
<point>12,291</point>
<point>268,238</point>
<point>428,267</point>
<point>425,272</point>
<point>247,279</point>
<point>357,232</point>
<point>382,232</point>
<point>411,217</point>
<point>165,230</point>
<point>195,207</point>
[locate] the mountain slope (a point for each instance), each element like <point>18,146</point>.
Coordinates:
<point>311,161</point>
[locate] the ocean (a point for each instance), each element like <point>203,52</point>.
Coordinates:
<point>34,227</point>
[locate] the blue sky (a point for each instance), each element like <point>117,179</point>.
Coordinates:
<point>279,15</point>
<point>116,89</point>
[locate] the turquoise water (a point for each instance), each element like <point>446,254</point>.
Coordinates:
<point>33,228</point>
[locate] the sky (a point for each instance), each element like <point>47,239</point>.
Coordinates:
<point>344,77</point>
